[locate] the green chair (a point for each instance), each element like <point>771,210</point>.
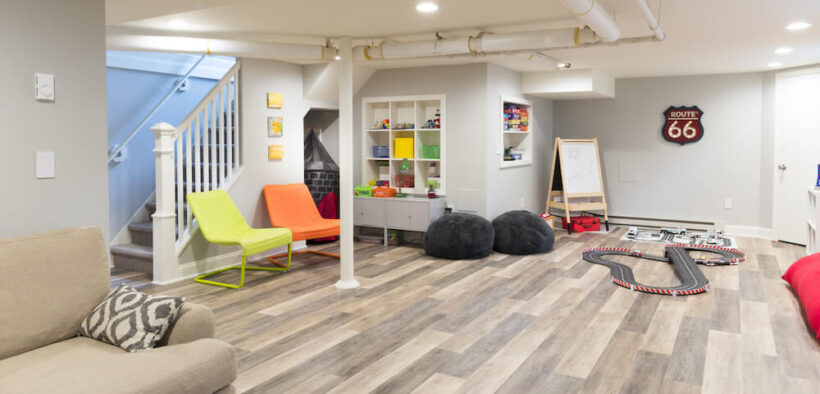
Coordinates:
<point>222,223</point>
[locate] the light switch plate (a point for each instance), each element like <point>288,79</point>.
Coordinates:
<point>44,87</point>
<point>44,164</point>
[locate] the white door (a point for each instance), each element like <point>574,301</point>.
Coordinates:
<point>797,151</point>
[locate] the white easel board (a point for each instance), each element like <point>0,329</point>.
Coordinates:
<point>576,178</point>
<point>579,162</point>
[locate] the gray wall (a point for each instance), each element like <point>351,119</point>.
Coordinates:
<point>258,77</point>
<point>465,87</point>
<point>67,40</point>
<point>131,95</point>
<point>508,187</point>
<point>328,122</point>
<point>473,126</point>
<point>646,176</point>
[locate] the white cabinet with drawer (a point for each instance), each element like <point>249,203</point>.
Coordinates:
<point>408,213</point>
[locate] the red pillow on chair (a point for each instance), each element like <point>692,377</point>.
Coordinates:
<point>804,277</point>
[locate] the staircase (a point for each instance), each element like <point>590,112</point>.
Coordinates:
<point>201,154</point>
<point>138,256</point>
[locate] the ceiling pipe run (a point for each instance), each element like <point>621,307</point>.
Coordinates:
<point>191,45</point>
<point>481,44</point>
<point>594,15</point>
<point>650,17</point>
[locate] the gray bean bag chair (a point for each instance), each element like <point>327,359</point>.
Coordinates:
<point>522,232</point>
<point>459,236</point>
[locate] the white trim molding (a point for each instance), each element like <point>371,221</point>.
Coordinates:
<point>750,231</point>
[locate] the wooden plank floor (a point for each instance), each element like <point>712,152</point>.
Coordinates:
<point>513,324</point>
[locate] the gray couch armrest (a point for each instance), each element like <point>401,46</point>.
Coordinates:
<point>194,322</point>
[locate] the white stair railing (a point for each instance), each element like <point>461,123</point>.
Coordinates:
<point>201,154</point>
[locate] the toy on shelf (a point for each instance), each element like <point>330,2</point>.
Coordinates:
<point>384,192</point>
<point>405,177</point>
<point>516,117</point>
<point>381,125</point>
<point>384,170</point>
<point>431,151</point>
<point>363,191</point>
<point>404,126</point>
<point>403,148</point>
<point>434,123</point>
<point>381,151</point>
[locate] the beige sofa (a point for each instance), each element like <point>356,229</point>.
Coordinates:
<point>48,284</point>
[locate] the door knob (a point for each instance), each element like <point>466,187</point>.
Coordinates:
<point>781,167</point>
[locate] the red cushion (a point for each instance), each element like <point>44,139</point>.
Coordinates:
<point>804,277</point>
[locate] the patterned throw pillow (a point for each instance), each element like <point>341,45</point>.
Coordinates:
<point>131,320</point>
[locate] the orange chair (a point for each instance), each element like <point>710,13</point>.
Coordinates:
<point>291,206</point>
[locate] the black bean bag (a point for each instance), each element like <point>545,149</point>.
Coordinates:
<point>459,236</point>
<point>522,232</point>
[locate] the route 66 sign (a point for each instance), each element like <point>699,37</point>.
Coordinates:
<point>682,124</point>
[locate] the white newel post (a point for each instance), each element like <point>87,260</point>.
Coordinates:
<point>346,280</point>
<point>165,253</point>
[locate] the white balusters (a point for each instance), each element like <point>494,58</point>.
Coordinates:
<point>229,127</point>
<point>201,154</point>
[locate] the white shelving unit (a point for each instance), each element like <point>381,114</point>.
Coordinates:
<point>813,239</point>
<point>520,140</point>
<point>399,110</point>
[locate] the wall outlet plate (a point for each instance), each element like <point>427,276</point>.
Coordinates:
<point>727,203</point>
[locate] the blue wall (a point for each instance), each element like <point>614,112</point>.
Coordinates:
<point>131,95</point>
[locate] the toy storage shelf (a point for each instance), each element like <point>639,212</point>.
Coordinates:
<point>384,119</point>
<point>516,134</point>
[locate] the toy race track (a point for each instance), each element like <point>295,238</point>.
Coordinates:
<point>693,281</point>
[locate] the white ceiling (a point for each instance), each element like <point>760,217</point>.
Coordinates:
<point>703,36</point>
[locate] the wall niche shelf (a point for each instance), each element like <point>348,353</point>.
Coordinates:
<point>406,117</point>
<point>515,125</point>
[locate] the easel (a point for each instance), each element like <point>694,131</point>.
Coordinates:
<point>590,189</point>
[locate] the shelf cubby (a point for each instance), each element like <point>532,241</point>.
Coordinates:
<point>519,136</point>
<point>402,113</point>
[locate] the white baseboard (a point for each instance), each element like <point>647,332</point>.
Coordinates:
<point>750,231</point>
<point>193,269</point>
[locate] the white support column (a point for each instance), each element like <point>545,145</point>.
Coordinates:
<point>165,253</point>
<point>347,280</point>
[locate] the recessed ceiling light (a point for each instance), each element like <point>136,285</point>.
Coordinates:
<point>775,64</point>
<point>794,26</point>
<point>426,7</point>
<point>179,23</point>
<point>783,50</point>
<point>338,57</point>
<point>563,65</point>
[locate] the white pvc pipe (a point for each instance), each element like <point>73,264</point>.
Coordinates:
<point>295,52</point>
<point>594,15</point>
<point>489,43</point>
<point>650,17</point>
<point>532,40</point>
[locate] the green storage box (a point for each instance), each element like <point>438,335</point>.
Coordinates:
<point>363,191</point>
<point>431,151</point>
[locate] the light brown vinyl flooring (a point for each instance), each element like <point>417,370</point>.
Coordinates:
<point>512,324</point>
